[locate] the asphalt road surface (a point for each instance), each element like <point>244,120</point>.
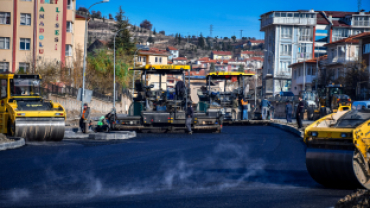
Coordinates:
<point>256,166</point>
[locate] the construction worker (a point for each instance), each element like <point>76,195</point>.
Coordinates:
<point>85,119</point>
<point>244,103</point>
<point>189,117</point>
<point>299,113</point>
<point>265,104</point>
<point>288,112</point>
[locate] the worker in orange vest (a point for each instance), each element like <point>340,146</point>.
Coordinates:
<point>245,108</point>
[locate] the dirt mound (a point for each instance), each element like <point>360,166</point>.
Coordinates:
<point>3,138</point>
<point>358,199</point>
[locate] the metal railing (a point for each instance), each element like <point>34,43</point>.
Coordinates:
<point>70,91</point>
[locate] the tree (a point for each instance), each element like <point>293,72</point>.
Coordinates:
<point>110,16</point>
<point>123,39</point>
<point>154,32</point>
<point>356,76</point>
<point>241,68</point>
<point>179,39</point>
<point>226,38</point>
<point>83,9</point>
<point>201,41</point>
<point>212,67</point>
<point>150,40</point>
<point>233,38</point>
<point>146,25</point>
<point>95,14</point>
<point>162,32</point>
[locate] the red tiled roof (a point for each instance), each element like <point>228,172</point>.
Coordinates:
<point>204,59</point>
<point>247,52</point>
<point>180,59</point>
<point>314,60</point>
<point>210,61</point>
<point>222,53</point>
<point>351,39</point>
<point>362,35</point>
<point>256,59</point>
<point>172,48</point>
<point>154,51</point>
<point>338,14</point>
<point>337,23</point>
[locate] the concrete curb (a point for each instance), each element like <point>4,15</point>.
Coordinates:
<point>113,136</point>
<point>18,142</point>
<point>100,136</point>
<point>288,129</point>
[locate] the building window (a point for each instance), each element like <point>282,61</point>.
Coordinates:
<point>69,27</point>
<point>5,18</point>
<point>305,50</point>
<point>4,66</point>
<point>285,49</point>
<point>25,19</point>
<point>286,32</point>
<point>305,34</point>
<point>366,48</point>
<point>68,50</point>
<point>25,44</point>
<point>69,4</point>
<point>24,67</point>
<point>4,43</point>
<point>340,33</point>
<point>284,66</point>
<point>160,59</point>
<point>4,85</point>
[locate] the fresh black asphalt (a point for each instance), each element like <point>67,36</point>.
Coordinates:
<point>254,166</point>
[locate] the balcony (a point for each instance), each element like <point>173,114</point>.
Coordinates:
<point>288,21</point>
<point>283,75</point>
<point>361,23</point>
<point>304,56</point>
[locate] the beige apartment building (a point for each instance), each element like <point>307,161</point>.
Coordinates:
<point>37,32</point>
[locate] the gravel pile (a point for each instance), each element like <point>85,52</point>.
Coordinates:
<point>359,199</point>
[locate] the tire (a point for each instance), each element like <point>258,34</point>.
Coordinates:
<point>10,128</point>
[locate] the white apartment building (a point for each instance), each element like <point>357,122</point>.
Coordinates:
<point>296,36</point>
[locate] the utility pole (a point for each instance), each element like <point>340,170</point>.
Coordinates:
<point>211,30</point>
<point>241,34</point>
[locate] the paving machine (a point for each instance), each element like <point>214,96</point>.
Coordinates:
<point>222,101</point>
<point>163,110</point>
<point>338,149</point>
<point>24,113</point>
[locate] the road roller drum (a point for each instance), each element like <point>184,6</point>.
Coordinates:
<point>40,129</point>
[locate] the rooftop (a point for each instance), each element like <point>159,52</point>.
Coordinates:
<point>222,53</point>
<point>352,39</point>
<point>314,60</point>
<point>170,48</point>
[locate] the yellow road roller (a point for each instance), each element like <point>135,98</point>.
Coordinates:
<point>24,113</point>
<point>338,149</point>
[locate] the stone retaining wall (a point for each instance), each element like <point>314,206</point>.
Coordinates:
<point>72,105</point>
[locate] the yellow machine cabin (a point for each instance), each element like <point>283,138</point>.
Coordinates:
<point>24,113</point>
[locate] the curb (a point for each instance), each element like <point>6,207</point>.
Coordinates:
<point>113,136</point>
<point>19,142</point>
<point>288,129</point>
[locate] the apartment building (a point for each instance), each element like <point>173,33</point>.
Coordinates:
<point>221,55</point>
<point>297,36</point>
<point>35,32</point>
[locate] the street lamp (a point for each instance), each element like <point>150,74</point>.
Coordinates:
<point>114,70</point>
<point>85,53</point>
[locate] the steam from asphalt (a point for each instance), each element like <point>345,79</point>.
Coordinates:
<point>227,166</point>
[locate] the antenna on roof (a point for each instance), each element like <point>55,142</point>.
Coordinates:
<point>359,5</point>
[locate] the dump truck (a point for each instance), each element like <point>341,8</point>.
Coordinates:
<point>24,113</point>
<point>338,149</point>
<point>221,101</point>
<point>162,110</point>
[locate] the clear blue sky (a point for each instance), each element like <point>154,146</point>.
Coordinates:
<point>227,17</point>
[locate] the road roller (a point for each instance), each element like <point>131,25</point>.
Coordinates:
<point>157,108</point>
<point>338,149</point>
<point>25,114</point>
